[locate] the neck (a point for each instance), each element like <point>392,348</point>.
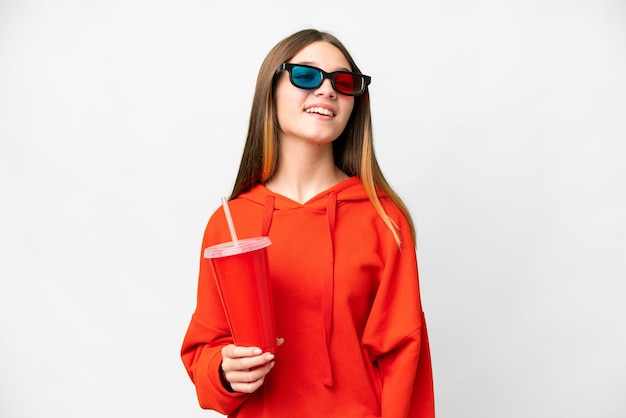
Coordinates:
<point>305,170</point>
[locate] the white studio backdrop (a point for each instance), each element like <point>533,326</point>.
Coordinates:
<point>502,125</point>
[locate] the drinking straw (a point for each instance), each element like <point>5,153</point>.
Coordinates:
<point>229,219</point>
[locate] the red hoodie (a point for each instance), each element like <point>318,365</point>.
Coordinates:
<point>347,304</point>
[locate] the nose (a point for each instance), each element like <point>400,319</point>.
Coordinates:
<point>326,89</point>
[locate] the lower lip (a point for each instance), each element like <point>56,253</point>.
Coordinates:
<point>319,116</point>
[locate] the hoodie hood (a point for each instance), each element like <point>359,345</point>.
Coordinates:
<point>327,201</point>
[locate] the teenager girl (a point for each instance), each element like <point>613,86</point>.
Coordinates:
<point>342,260</point>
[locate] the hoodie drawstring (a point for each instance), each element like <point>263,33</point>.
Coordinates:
<point>329,287</point>
<point>268,213</point>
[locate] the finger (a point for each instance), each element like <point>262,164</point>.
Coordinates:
<point>236,351</point>
<point>280,341</point>
<point>249,375</point>
<point>247,387</point>
<point>245,363</point>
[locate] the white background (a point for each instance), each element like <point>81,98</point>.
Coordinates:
<point>501,123</point>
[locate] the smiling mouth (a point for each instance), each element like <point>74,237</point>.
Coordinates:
<point>320,111</point>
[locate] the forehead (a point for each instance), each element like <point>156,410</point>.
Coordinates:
<point>324,55</point>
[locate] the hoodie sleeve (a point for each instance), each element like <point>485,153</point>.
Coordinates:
<point>395,335</point>
<point>202,346</point>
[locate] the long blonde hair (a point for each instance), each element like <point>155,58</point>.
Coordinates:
<point>353,150</point>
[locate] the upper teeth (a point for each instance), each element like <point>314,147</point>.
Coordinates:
<point>320,110</point>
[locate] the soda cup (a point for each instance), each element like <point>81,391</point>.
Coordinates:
<point>241,273</point>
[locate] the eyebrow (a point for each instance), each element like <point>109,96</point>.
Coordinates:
<point>313,64</point>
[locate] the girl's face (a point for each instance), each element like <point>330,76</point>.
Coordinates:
<point>319,115</point>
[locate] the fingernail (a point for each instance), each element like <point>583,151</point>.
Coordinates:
<point>257,351</point>
<point>269,357</point>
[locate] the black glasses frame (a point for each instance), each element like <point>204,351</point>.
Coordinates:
<point>365,79</point>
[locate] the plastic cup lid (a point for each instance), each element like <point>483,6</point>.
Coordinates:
<point>229,248</point>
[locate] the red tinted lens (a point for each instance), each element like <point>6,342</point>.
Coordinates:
<point>347,83</point>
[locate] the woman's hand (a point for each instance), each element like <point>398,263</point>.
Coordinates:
<point>245,368</point>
